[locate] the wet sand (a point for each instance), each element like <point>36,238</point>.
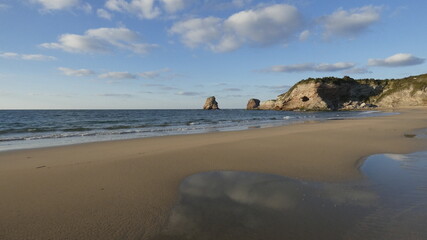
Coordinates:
<point>125,189</point>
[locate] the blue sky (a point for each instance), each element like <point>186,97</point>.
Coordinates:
<point>139,54</point>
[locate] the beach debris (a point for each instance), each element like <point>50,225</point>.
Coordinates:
<point>211,104</point>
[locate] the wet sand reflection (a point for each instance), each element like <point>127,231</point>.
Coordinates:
<point>389,204</point>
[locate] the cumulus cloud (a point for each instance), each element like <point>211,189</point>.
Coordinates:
<point>172,6</point>
<point>146,9</point>
<point>50,5</point>
<point>102,13</point>
<point>267,25</point>
<point>101,40</point>
<point>117,75</point>
<point>32,57</point>
<point>197,31</point>
<point>350,23</point>
<point>262,26</point>
<point>76,72</point>
<point>310,67</point>
<point>397,60</point>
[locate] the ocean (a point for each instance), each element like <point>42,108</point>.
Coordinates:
<point>20,129</point>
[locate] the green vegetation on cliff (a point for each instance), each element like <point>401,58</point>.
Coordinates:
<point>332,93</point>
<point>388,86</point>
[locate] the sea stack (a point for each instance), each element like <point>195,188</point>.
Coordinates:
<point>253,104</point>
<point>211,104</point>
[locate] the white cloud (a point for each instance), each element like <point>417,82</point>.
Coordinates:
<point>362,70</point>
<point>197,31</point>
<point>187,93</point>
<point>76,72</point>
<point>350,23</point>
<point>101,40</point>
<point>32,57</point>
<point>397,60</point>
<point>4,6</point>
<point>50,5</point>
<point>267,25</point>
<point>117,75</point>
<point>144,9</point>
<point>304,35</point>
<point>37,57</point>
<point>10,55</point>
<point>262,26</point>
<point>326,67</point>
<point>173,6</point>
<point>86,7</point>
<point>310,67</point>
<point>153,74</point>
<point>102,13</point>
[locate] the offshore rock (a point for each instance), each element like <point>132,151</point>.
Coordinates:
<point>211,104</point>
<point>253,104</point>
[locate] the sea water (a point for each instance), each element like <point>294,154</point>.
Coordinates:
<point>42,128</point>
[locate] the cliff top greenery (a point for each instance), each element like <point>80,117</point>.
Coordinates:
<point>389,86</point>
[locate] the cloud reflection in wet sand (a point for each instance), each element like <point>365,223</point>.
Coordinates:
<point>242,205</point>
<point>388,204</point>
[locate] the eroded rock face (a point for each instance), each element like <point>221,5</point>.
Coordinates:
<point>407,97</point>
<point>318,96</point>
<point>253,104</point>
<point>349,94</point>
<point>267,105</point>
<point>211,104</point>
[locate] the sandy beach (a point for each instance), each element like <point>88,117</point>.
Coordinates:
<point>125,189</point>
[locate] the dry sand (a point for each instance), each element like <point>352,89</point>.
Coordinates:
<point>125,189</point>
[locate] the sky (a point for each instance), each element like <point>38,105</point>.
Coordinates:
<point>173,54</point>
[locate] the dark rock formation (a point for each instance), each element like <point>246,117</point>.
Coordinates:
<point>210,104</point>
<point>348,94</point>
<point>253,104</point>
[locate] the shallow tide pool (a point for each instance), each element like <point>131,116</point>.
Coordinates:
<point>389,203</point>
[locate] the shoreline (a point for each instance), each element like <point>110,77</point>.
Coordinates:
<point>96,134</point>
<point>124,189</point>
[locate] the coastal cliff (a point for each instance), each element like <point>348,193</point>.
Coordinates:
<point>330,93</point>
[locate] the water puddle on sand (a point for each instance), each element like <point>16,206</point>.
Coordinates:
<point>391,203</point>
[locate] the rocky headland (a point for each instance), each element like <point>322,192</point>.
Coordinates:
<point>331,93</point>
